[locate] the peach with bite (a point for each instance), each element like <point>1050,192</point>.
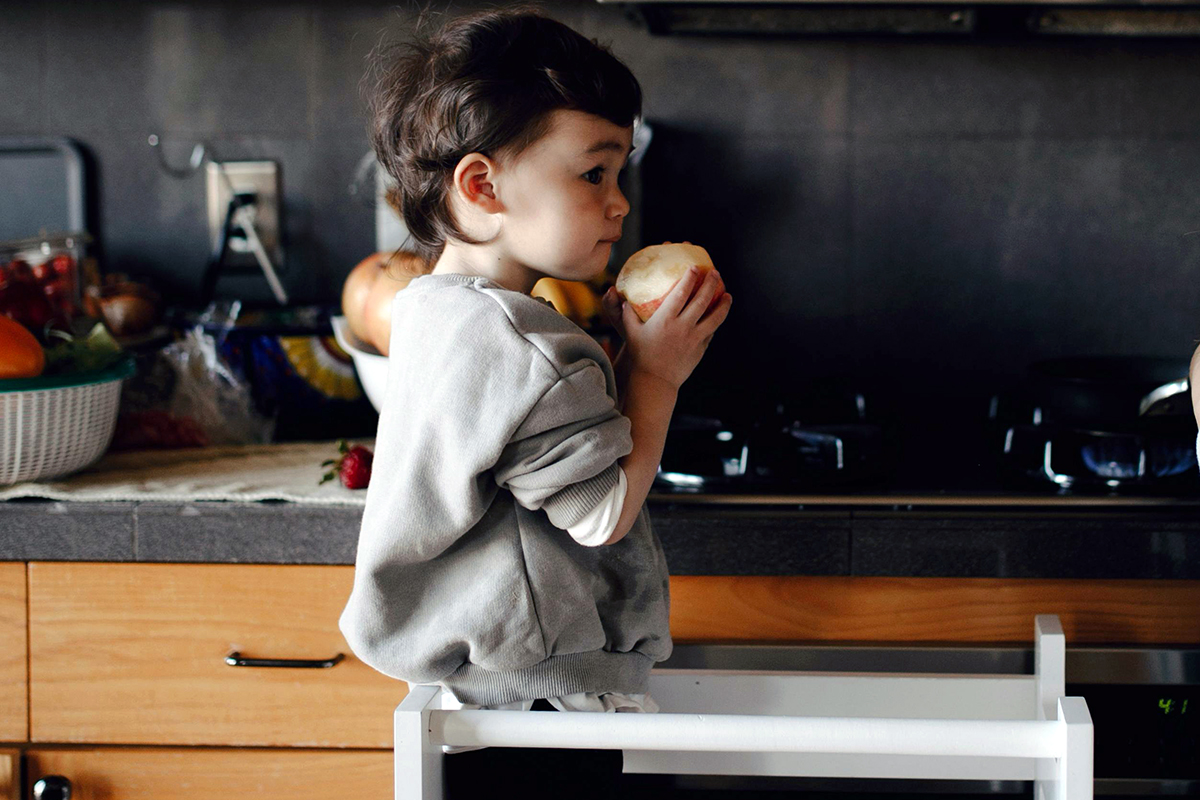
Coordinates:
<point>650,274</point>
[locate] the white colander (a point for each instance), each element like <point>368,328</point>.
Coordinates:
<point>369,363</point>
<point>52,426</point>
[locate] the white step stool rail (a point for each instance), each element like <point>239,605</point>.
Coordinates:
<point>803,724</point>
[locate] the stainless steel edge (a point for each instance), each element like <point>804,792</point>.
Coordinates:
<point>922,500</point>
<point>1119,665</point>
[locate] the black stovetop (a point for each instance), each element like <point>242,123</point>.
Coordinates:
<point>951,459</point>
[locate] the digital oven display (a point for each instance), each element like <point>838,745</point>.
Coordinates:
<point>1143,731</point>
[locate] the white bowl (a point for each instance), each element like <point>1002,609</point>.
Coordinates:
<point>53,425</point>
<point>372,366</point>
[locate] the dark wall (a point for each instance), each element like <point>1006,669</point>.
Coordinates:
<point>922,217</point>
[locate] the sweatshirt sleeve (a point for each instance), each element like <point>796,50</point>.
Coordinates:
<point>598,525</point>
<point>563,456</point>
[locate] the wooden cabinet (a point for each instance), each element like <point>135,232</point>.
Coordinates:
<point>136,654</point>
<point>802,608</point>
<point>130,694</point>
<point>126,773</point>
<point>10,774</point>
<point>14,691</point>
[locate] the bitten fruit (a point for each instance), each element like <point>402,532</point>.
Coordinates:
<point>650,274</point>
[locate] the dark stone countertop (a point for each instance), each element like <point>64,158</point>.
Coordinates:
<point>732,536</point>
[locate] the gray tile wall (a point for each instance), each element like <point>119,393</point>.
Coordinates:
<point>922,217</point>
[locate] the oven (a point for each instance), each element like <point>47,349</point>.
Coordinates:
<point>1144,702</point>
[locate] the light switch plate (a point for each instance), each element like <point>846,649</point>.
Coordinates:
<point>262,178</point>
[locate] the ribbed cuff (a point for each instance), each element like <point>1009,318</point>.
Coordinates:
<point>572,503</point>
<point>597,671</point>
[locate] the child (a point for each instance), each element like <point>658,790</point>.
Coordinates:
<point>505,550</point>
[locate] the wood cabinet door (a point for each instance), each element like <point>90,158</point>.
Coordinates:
<point>116,773</point>
<point>136,654</point>
<point>10,774</point>
<point>14,691</point>
<point>804,608</point>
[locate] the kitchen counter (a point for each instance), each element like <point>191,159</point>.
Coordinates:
<point>913,535</point>
<point>265,504</point>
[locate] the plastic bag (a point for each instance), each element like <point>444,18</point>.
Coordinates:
<point>208,391</point>
<point>187,396</point>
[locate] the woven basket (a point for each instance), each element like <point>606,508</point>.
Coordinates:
<point>53,426</point>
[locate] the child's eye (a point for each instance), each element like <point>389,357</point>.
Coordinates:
<point>594,175</point>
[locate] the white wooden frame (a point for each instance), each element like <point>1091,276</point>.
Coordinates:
<point>817,724</point>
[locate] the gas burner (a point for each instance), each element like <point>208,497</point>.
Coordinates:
<point>703,453</point>
<point>1072,458</point>
<point>1117,424</point>
<point>814,441</point>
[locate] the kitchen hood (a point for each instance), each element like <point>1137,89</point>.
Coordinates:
<point>1156,18</point>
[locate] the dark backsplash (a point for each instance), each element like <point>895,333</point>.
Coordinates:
<point>919,217</point>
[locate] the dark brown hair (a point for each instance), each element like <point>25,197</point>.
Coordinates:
<point>485,83</point>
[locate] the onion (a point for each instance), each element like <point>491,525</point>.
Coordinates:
<point>127,314</point>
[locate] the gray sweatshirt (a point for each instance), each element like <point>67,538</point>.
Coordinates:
<point>499,430</point>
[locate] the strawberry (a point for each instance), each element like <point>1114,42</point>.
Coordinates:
<point>62,264</point>
<point>354,467</point>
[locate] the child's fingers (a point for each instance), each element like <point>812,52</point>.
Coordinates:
<point>702,299</point>
<point>611,303</point>
<point>713,319</point>
<point>629,317</point>
<point>677,298</point>
<point>619,311</point>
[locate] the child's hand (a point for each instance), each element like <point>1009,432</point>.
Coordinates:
<point>672,342</point>
<point>610,304</point>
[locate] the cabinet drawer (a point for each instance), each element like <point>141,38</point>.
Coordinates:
<point>135,654</point>
<point>14,711</point>
<point>115,773</point>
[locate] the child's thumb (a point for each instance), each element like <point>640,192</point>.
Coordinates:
<point>612,303</point>
<point>628,315</point>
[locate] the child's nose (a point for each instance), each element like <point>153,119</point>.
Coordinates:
<point>619,207</point>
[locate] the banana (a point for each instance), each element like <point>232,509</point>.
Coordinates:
<point>575,300</point>
<point>552,289</point>
<point>584,302</point>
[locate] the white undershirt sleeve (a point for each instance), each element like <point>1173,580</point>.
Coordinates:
<point>596,528</point>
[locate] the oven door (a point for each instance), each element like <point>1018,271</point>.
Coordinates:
<point>1144,702</point>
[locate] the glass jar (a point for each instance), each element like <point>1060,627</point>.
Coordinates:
<point>40,279</point>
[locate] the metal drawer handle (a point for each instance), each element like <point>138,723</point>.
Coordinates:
<point>235,659</point>
<point>52,787</point>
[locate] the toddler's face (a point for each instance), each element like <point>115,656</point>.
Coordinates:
<point>562,208</point>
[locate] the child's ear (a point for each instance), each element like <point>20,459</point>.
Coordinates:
<point>473,182</point>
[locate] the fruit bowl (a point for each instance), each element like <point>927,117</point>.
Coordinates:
<point>54,425</point>
<point>370,364</point>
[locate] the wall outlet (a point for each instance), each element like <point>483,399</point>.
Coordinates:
<point>260,178</point>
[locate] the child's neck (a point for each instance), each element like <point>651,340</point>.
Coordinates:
<point>486,262</point>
